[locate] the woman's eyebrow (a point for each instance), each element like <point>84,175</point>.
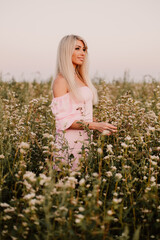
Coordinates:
<point>79,46</point>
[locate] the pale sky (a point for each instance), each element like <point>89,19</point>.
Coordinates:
<point>121,35</point>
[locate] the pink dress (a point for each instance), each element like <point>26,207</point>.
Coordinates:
<point>66,111</point>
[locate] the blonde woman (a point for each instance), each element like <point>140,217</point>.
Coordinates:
<point>74,96</point>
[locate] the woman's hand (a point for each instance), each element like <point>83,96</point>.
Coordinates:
<point>103,127</point>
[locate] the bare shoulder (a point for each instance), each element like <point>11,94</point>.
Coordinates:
<point>60,86</point>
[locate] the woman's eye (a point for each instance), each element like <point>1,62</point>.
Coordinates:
<point>79,49</point>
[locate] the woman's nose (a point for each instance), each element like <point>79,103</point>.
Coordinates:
<point>82,52</point>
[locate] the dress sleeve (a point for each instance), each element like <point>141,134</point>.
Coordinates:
<point>65,111</point>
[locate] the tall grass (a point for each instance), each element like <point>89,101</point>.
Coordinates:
<point>114,195</point>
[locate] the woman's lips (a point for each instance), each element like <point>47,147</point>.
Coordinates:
<point>81,59</point>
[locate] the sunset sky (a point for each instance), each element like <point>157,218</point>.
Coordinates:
<point>121,35</point>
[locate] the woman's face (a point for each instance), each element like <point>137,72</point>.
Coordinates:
<point>78,54</point>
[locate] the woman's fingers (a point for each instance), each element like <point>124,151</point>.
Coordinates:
<point>106,128</point>
<point>110,129</point>
<point>111,126</point>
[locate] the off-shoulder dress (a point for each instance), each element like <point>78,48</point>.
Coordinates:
<point>66,110</point>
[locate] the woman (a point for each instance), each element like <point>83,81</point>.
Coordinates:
<point>74,95</point>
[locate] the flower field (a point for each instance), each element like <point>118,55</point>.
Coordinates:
<point>116,192</point>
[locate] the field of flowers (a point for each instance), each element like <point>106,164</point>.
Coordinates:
<point>115,194</point>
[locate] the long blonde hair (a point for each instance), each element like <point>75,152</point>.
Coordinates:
<point>65,67</point>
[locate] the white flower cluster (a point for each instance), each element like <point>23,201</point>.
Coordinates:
<point>24,145</point>
<point>124,145</point>
<point>44,180</point>
<point>99,150</point>
<point>109,174</point>
<point>117,200</point>
<point>47,135</point>
<point>109,148</point>
<point>79,218</point>
<point>29,196</point>
<point>82,182</point>
<point>71,182</point>
<point>118,176</point>
<point>95,174</point>
<point>30,175</point>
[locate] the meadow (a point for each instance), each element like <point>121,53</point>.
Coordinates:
<point>116,192</point>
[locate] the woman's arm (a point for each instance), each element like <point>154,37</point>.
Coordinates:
<point>94,119</point>
<point>100,126</point>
